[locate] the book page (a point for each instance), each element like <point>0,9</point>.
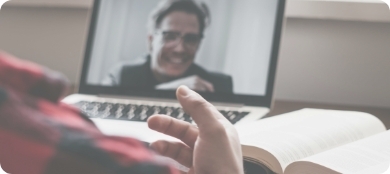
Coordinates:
<point>303,133</point>
<point>370,155</point>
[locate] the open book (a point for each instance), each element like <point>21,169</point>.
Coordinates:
<point>318,141</point>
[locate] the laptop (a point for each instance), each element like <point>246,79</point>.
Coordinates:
<point>138,52</point>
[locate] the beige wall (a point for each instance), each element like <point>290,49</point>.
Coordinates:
<point>325,61</point>
<point>340,62</point>
<point>54,37</point>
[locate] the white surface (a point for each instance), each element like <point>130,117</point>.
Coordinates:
<point>376,169</point>
<point>388,4</point>
<point>2,171</point>
<point>138,130</point>
<point>328,129</point>
<point>368,156</point>
<point>1,4</point>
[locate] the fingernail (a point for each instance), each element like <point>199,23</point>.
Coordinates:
<point>184,90</point>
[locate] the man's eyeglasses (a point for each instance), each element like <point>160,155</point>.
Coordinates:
<point>172,39</point>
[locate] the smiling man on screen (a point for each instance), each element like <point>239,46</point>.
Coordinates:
<point>176,29</point>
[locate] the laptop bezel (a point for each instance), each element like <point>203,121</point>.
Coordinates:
<point>248,100</point>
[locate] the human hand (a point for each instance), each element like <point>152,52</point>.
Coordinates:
<point>193,82</point>
<point>212,147</point>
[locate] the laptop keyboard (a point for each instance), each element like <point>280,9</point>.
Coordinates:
<point>133,112</point>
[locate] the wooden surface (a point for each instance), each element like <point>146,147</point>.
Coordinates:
<point>281,107</point>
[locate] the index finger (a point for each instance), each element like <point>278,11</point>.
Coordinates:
<point>202,112</point>
<point>181,130</point>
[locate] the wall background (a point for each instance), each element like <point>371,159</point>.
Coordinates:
<point>322,61</point>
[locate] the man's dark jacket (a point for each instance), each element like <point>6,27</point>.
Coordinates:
<point>140,77</point>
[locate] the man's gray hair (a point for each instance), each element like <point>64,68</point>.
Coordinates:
<point>165,7</point>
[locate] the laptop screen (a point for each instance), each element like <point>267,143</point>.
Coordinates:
<point>216,47</point>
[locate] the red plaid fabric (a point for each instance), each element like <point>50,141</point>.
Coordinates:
<point>41,135</point>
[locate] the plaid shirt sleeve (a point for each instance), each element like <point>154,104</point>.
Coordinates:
<point>41,135</point>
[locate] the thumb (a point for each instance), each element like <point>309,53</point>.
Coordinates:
<point>202,112</point>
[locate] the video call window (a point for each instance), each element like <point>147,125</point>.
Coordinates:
<point>209,45</point>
